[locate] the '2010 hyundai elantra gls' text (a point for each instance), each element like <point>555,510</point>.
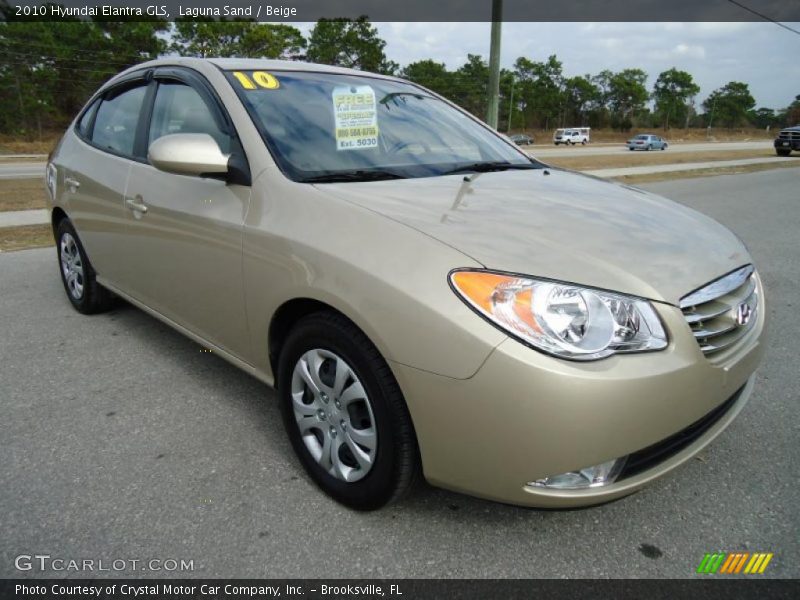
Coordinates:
<point>426,298</point>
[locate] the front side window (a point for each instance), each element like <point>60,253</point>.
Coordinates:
<point>117,119</point>
<point>179,108</point>
<point>320,124</point>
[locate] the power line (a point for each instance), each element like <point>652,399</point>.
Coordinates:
<point>763,16</point>
<point>34,56</point>
<point>98,52</point>
<point>61,68</point>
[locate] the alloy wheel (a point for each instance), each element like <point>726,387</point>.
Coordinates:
<point>71,265</point>
<point>334,415</point>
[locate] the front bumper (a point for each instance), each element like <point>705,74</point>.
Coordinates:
<point>526,416</point>
<point>792,144</point>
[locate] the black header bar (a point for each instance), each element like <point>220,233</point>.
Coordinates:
<point>410,10</point>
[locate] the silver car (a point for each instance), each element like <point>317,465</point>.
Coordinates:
<point>647,141</point>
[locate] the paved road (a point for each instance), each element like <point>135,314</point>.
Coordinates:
<point>14,218</point>
<point>22,170</point>
<point>32,170</point>
<point>591,149</point>
<point>675,167</point>
<point>121,440</point>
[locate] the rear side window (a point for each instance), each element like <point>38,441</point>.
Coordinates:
<point>179,108</point>
<point>116,121</point>
<point>85,123</point>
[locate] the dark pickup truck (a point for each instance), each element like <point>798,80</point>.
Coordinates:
<point>788,139</point>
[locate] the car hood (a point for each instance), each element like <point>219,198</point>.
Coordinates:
<point>563,226</point>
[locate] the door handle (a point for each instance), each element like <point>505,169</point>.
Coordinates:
<point>135,204</point>
<point>73,183</point>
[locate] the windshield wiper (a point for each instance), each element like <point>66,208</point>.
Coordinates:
<point>486,166</point>
<point>357,175</point>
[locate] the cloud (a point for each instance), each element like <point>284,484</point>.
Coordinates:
<point>760,54</point>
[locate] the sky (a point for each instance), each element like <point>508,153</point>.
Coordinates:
<point>763,55</point>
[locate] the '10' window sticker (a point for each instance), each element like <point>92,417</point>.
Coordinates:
<point>256,80</point>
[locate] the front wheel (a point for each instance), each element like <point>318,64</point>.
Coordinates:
<point>77,275</point>
<point>782,152</point>
<point>345,414</point>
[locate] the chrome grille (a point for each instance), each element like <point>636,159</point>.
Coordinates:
<point>722,312</point>
<point>789,135</point>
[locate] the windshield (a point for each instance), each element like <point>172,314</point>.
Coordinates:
<point>321,126</point>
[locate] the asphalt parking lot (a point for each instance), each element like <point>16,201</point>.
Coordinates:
<point>120,439</point>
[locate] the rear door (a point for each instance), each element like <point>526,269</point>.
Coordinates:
<point>95,164</point>
<point>185,251</point>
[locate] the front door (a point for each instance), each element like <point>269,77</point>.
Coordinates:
<point>184,233</point>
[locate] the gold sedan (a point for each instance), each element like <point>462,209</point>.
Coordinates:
<point>426,298</point>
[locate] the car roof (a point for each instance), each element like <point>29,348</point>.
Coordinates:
<point>795,128</point>
<point>253,64</point>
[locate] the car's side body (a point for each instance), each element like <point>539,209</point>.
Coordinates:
<point>287,257</point>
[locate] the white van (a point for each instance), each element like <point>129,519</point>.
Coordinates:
<point>574,135</point>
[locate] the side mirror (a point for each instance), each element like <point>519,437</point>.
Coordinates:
<point>188,154</point>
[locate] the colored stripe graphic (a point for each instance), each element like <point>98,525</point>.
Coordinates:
<point>731,563</point>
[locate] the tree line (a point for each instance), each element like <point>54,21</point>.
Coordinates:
<point>48,70</point>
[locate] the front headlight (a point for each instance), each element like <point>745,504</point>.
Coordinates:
<point>560,318</point>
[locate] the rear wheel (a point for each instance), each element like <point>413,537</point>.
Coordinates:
<point>783,151</point>
<point>344,413</point>
<point>77,275</point>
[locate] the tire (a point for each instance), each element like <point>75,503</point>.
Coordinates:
<point>354,474</point>
<point>583,142</point>
<point>631,149</point>
<point>79,278</point>
<point>664,147</point>
<point>556,143</point>
<point>782,152</point>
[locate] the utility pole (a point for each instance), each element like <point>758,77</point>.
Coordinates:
<point>711,118</point>
<point>494,64</point>
<point>511,103</point>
